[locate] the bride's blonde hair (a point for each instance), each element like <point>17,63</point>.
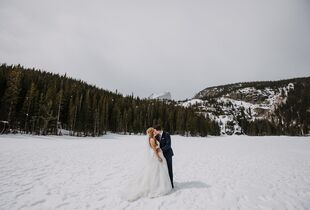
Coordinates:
<point>150,132</point>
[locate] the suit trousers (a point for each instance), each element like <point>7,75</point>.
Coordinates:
<point>169,163</point>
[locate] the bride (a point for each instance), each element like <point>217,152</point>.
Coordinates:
<point>153,178</point>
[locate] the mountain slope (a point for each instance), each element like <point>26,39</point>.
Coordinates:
<point>258,108</point>
<point>38,102</point>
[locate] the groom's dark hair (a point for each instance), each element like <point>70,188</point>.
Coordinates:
<point>158,127</point>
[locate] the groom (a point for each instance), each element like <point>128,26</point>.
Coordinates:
<point>165,145</point>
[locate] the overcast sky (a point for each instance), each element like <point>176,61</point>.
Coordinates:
<point>153,46</point>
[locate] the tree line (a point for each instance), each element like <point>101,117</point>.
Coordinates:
<point>38,102</point>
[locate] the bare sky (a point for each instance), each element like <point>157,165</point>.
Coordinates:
<point>152,46</point>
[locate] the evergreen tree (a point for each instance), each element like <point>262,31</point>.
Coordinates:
<point>11,95</point>
<point>39,102</point>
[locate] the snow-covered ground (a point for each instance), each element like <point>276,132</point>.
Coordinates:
<point>236,172</point>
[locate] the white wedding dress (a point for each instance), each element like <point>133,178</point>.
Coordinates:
<point>151,181</point>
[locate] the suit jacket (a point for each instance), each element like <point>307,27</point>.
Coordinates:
<point>165,144</point>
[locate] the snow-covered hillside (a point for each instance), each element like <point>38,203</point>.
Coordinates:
<point>249,103</point>
<point>235,172</point>
<point>160,96</point>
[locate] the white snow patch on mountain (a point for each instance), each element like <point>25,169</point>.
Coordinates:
<point>253,103</point>
<point>160,96</point>
<point>192,102</point>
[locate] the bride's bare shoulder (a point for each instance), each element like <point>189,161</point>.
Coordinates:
<point>153,141</point>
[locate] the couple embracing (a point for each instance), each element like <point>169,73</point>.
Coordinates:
<point>156,177</point>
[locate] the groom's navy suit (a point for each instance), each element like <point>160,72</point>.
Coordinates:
<point>165,146</point>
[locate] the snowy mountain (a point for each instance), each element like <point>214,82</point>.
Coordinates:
<point>257,107</point>
<point>161,96</point>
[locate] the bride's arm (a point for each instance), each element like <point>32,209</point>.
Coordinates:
<point>153,145</point>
